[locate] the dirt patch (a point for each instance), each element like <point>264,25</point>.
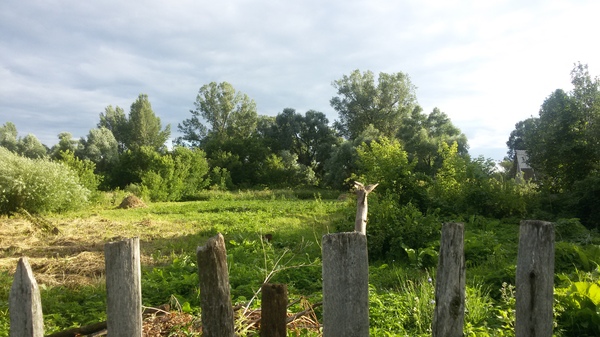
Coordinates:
<point>131,201</point>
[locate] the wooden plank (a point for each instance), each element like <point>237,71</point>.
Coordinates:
<point>215,298</point>
<point>273,321</point>
<point>25,304</point>
<point>345,285</point>
<point>535,279</point>
<point>449,313</point>
<point>123,288</point>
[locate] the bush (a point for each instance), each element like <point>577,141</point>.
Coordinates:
<point>38,185</point>
<point>399,231</point>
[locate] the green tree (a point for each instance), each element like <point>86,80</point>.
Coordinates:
<point>228,114</point>
<point>362,102</point>
<point>100,147</point>
<point>65,143</point>
<point>115,120</point>
<point>30,147</point>
<point>307,136</point>
<point>145,127</point>
<point>8,136</point>
<point>421,134</point>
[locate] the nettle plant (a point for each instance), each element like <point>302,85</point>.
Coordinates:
<point>38,185</point>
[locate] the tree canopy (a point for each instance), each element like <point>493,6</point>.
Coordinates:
<point>362,102</point>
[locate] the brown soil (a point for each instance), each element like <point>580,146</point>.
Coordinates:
<point>131,202</point>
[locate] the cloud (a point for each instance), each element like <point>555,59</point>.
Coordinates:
<point>487,64</point>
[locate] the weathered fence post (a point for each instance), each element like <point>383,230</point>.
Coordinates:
<point>535,279</point>
<point>123,288</point>
<point>215,299</point>
<point>345,285</point>
<point>449,314</point>
<point>25,304</point>
<point>360,224</point>
<point>273,310</point>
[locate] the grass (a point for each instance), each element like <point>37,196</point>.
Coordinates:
<point>66,255</point>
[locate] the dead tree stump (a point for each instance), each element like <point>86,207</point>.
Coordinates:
<point>360,225</point>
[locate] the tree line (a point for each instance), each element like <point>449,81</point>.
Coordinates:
<point>381,135</point>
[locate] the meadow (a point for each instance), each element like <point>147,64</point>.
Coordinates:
<point>275,236</point>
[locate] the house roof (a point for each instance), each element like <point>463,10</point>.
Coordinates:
<point>522,159</point>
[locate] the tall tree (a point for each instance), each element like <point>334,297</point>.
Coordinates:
<point>422,134</point>
<point>8,136</point>
<point>362,102</point>
<point>30,147</point>
<point>65,143</point>
<point>228,114</point>
<point>145,127</point>
<point>307,136</point>
<point>563,142</point>
<point>100,147</point>
<point>115,120</point>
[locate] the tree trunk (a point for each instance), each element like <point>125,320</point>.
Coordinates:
<point>360,225</point>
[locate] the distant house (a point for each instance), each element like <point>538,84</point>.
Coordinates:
<point>523,170</point>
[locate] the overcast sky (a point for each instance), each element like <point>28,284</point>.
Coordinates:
<point>486,63</point>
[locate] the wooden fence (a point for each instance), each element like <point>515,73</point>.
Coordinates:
<point>345,288</point>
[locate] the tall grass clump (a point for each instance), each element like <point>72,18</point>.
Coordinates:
<point>38,185</point>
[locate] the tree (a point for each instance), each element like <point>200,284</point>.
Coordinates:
<point>422,134</point>
<point>8,136</point>
<point>517,138</point>
<point>229,114</point>
<point>145,127</point>
<point>100,147</point>
<point>307,136</point>
<point>115,120</point>
<point>65,143</point>
<point>30,147</point>
<point>362,102</point>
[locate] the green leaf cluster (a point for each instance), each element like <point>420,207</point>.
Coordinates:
<point>38,185</point>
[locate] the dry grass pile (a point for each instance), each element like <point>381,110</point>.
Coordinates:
<point>131,201</point>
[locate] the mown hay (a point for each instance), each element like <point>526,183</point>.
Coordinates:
<point>131,201</point>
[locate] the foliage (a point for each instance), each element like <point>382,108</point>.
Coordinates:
<point>30,147</point>
<point>84,169</point>
<point>177,175</point>
<point>101,148</point>
<point>145,127</point>
<point>38,185</point>
<point>229,114</point>
<point>578,303</point>
<point>362,101</point>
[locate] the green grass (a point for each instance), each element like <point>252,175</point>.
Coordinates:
<point>401,294</point>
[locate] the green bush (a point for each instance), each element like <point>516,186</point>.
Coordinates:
<point>38,185</point>
<point>401,232</point>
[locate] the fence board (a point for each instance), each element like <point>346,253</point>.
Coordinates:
<point>273,310</point>
<point>449,313</point>
<point>25,304</point>
<point>123,288</point>
<point>345,285</point>
<point>535,279</point>
<point>215,298</point>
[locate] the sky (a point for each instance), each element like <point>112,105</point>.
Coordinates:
<point>486,64</point>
